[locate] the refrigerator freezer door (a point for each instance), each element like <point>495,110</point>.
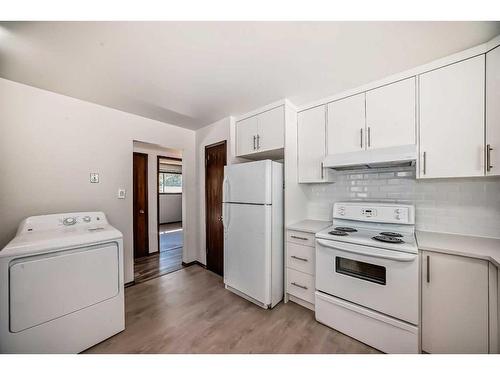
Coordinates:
<point>247,250</point>
<point>248,183</point>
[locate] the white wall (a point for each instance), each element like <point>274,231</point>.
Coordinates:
<point>153,151</point>
<point>49,143</point>
<point>218,131</point>
<point>170,208</point>
<point>455,205</point>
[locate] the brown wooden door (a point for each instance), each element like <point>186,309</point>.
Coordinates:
<point>215,160</point>
<point>141,236</point>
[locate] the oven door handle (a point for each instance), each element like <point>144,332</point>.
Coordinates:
<point>373,252</point>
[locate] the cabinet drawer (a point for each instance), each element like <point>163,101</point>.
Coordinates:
<point>301,285</point>
<point>300,258</point>
<point>306,239</point>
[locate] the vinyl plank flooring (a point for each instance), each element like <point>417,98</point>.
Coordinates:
<point>190,311</point>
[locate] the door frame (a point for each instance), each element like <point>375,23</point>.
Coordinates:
<point>224,142</point>
<point>146,210</point>
<point>158,157</point>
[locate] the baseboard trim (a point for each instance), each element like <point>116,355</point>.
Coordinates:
<point>130,283</point>
<point>301,302</point>
<point>189,264</point>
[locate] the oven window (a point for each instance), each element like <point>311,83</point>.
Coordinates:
<point>361,270</point>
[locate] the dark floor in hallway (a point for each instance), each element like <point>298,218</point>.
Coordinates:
<point>169,258</point>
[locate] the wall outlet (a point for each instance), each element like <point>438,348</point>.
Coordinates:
<point>122,193</point>
<point>94,178</point>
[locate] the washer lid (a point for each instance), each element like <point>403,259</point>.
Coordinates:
<point>56,237</point>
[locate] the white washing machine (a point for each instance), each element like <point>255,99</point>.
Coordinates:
<point>61,284</point>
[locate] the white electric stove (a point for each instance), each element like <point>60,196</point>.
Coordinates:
<point>367,275</point>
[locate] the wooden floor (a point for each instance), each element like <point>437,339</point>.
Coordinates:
<point>170,226</point>
<point>158,264</point>
<point>189,311</point>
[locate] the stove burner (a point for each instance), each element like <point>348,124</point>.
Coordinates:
<point>346,229</point>
<point>391,234</point>
<point>338,233</point>
<point>388,239</point>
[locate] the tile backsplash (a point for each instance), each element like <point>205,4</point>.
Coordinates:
<point>459,205</point>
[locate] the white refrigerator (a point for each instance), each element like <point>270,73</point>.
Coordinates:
<point>252,211</point>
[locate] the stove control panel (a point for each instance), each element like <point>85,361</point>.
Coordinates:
<point>375,212</point>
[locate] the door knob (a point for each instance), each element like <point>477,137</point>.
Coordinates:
<point>141,211</point>
<point>220,218</point>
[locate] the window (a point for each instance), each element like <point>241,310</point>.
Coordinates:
<point>170,182</point>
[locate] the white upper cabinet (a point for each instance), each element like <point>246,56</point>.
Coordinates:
<point>271,125</point>
<point>247,135</point>
<point>451,108</point>
<point>390,115</point>
<point>493,112</point>
<point>311,132</point>
<point>262,132</point>
<point>346,124</point>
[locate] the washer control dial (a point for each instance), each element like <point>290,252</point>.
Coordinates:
<point>69,221</point>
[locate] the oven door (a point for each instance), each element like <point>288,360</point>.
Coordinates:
<point>382,280</point>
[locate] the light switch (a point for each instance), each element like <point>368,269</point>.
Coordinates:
<point>94,178</point>
<point>122,193</point>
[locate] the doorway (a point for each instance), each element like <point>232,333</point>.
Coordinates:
<point>215,160</point>
<point>140,205</point>
<point>157,210</point>
<point>169,217</point>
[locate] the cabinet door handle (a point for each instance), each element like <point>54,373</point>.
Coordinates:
<point>369,137</point>
<point>258,141</point>
<point>299,258</point>
<point>424,160</point>
<point>361,137</point>
<point>322,171</point>
<point>488,158</point>
<point>299,238</point>
<point>299,286</point>
<point>254,142</point>
<point>428,269</point>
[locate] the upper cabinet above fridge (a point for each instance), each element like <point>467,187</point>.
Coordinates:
<point>261,134</point>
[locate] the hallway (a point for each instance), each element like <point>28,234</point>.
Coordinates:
<point>169,259</point>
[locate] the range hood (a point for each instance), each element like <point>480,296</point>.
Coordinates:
<point>382,157</point>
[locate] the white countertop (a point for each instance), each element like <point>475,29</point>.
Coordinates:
<point>310,226</point>
<point>455,244</point>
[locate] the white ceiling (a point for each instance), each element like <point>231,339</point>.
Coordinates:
<point>194,73</point>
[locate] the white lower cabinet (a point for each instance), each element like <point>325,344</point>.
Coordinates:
<point>300,268</point>
<point>455,306</point>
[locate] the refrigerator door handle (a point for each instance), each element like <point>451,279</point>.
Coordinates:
<point>225,216</point>
<point>225,191</point>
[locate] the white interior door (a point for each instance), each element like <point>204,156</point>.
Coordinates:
<point>390,115</point>
<point>248,182</point>
<point>452,120</point>
<point>46,287</point>
<point>454,304</point>
<point>246,133</point>
<point>493,112</point>
<point>311,144</point>
<point>271,129</point>
<point>346,125</point>
<point>247,249</point>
